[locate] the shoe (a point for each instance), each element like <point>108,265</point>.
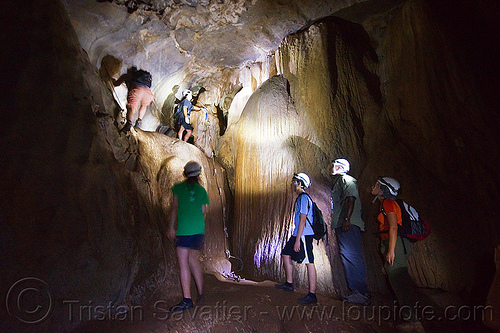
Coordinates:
<point>308,299</point>
<point>186,303</point>
<point>411,327</point>
<point>126,127</point>
<point>138,123</point>
<point>284,286</point>
<point>357,298</point>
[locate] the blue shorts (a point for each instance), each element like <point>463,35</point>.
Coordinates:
<point>194,242</point>
<point>305,257</point>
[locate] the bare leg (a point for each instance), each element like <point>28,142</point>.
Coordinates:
<point>311,274</point>
<point>183,256</point>
<point>181,131</point>
<point>130,112</point>
<point>188,134</point>
<point>287,260</point>
<point>142,111</point>
<point>196,269</point>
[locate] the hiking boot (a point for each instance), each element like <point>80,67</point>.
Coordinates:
<point>357,298</point>
<point>284,286</point>
<point>126,127</point>
<point>138,123</point>
<point>308,299</point>
<point>186,303</point>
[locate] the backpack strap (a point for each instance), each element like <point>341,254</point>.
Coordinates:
<point>308,206</point>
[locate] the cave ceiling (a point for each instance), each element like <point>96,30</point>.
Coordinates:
<point>198,37</point>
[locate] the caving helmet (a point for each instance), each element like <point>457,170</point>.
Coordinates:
<point>389,185</point>
<point>192,169</point>
<point>302,177</point>
<point>188,94</point>
<point>340,166</point>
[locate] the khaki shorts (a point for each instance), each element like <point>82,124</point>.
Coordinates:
<point>139,96</point>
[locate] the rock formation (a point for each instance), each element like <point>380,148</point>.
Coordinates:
<point>85,208</point>
<point>400,88</point>
<point>493,299</point>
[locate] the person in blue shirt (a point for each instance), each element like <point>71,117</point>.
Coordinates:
<point>185,106</point>
<point>299,247</point>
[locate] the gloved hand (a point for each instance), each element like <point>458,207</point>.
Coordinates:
<point>187,120</point>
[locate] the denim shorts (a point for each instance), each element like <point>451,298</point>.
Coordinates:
<point>194,242</point>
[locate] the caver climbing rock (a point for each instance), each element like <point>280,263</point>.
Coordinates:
<point>139,95</point>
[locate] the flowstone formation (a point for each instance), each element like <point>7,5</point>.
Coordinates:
<point>261,152</point>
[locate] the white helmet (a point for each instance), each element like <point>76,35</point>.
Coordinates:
<point>303,178</point>
<point>391,183</point>
<point>340,166</point>
<point>192,169</point>
<point>187,92</point>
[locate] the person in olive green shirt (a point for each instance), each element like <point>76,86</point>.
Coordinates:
<point>348,225</point>
<point>188,208</point>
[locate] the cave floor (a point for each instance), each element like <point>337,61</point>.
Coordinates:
<point>233,307</point>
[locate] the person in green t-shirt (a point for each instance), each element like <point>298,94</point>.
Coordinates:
<point>188,208</point>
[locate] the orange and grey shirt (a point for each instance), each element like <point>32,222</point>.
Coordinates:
<point>388,206</point>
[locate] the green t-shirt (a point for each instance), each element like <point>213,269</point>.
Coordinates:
<point>190,219</point>
<point>345,186</point>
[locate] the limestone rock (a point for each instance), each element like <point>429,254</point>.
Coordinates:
<point>88,206</point>
<point>408,91</point>
<point>493,299</point>
<point>330,70</point>
<point>262,151</point>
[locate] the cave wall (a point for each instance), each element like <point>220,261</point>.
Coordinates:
<point>83,208</point>
<point>261,152</point>
<point>412,96</point>
<point>444,133</point>
<point>332,69</point>
<point>397,95</point>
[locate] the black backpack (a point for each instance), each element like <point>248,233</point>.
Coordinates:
<point>143,78</point>
<point>318,224</point>
<point>178,111</point>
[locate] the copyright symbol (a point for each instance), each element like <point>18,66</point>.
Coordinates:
<point>29,300</point>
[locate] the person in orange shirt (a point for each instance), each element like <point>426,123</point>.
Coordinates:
<point>396,249</point>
